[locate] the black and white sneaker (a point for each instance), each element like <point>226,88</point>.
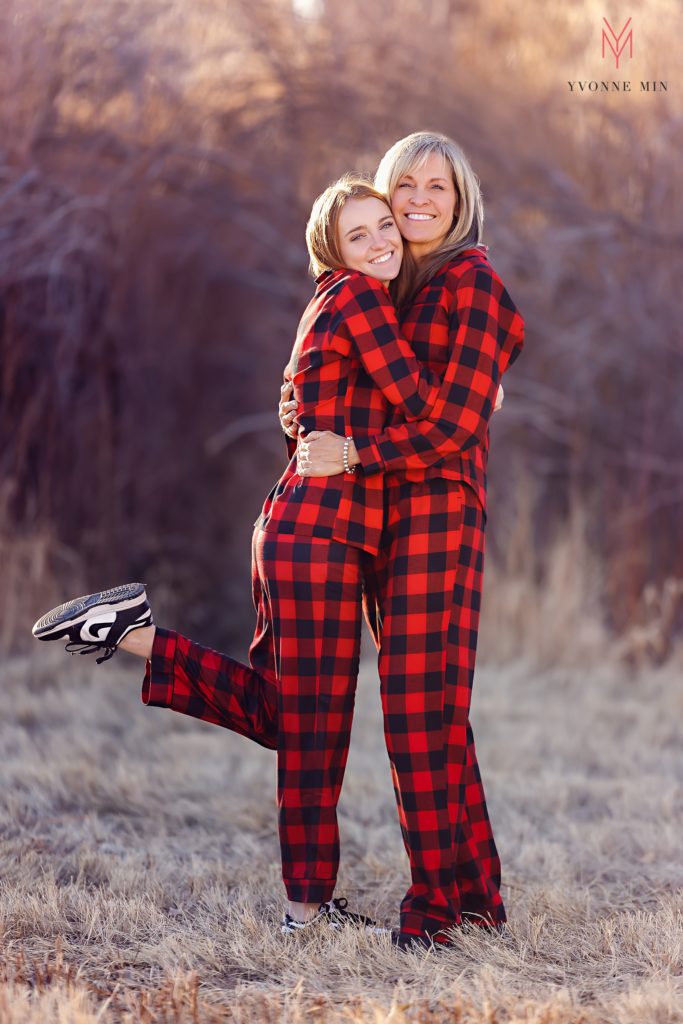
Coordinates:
<point>335,915</point>
<point>290,926</point>
<point>339,917</point>
<point>97,622</point>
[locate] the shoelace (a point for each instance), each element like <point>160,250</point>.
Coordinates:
<point>75,648</point>
<point>336,914</point>
<point>338,909</point>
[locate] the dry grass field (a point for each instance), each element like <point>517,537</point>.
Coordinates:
<point>139,878</point>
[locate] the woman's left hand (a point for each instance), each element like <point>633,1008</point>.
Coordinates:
<point>287,409</point>
<point>321,453</point>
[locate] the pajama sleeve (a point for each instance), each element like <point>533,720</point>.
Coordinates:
<point>291,445</point>
<point>487,334</point>
<point>366,316</point>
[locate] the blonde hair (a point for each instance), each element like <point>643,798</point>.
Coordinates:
<point>321,231</point>
<point>466,230</point>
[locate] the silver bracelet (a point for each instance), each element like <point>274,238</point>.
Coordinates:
<point>347,468</point>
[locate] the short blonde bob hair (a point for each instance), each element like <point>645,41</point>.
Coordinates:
<point>322,238</point>
<point>468,222</point>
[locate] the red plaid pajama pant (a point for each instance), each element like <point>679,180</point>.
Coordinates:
<point>422,597</point>
<point>296,696</point>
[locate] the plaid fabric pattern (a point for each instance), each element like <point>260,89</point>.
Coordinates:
<point>315,614</point>
<point>296,695</point>
<point>349,367</point>
<point>205,684</point>
<point>423,598</point>
<point>424,482</point>
<point>464,326</point>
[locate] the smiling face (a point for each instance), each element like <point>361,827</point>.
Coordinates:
<point>369,240</point>
<point>424,203</point>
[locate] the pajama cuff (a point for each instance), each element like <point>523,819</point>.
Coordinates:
<point>157,686</point>
<point>318,890</point>
<point>370,456</point>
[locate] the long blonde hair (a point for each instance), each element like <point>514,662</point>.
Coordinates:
<point>466,230</point>
<point>322,238</point>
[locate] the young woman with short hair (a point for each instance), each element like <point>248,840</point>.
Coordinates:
<point>349,367</point>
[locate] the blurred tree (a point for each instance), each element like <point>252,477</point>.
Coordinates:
<point>157,167</point>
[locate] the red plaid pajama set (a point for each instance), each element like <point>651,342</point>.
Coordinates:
<point>407,532</point>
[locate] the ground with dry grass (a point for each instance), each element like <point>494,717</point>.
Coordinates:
<point>140,876</point>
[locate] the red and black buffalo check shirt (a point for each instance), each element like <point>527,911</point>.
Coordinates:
<point>351,370</point>
<point>464,326</point>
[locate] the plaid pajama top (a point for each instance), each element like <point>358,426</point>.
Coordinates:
<point>464,326</point>
<point>350,369</point>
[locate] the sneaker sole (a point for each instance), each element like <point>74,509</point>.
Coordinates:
<point>118,599</point>
<point>333,926</point>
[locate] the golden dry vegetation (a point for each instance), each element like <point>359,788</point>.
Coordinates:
<point>140,871</point>
<point>157,162</point>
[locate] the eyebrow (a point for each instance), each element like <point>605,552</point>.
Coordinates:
<point>413,179</point>
<point>387,216</point>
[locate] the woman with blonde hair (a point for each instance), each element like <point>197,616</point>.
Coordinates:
<point>349,368</point>
<point>423,591</point>
<point>402,534</point>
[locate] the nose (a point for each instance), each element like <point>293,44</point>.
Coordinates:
<point>419,199</point>
<point>378,242</point>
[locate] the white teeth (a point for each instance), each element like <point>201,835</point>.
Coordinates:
<point>382,259</point>
<point>420,216</point>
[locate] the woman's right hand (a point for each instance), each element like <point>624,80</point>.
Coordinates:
<point>287,409</point>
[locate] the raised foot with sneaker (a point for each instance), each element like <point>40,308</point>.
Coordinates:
<point>97,622</point>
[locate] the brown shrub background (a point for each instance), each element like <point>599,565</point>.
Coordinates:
<point>157,164</point>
